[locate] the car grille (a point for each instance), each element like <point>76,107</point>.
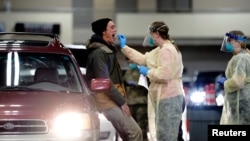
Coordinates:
<point>17,127</point>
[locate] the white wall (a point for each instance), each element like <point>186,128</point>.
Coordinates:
<point>184,25</point>
<point>220,5</point>
<point>213,23</point>
<point>64,19</point>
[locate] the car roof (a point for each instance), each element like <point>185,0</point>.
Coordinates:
<point>30,38</point>
<point>31,42</point>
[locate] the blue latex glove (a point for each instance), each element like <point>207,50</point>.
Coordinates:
<point>221,80</point>
<point>122,40</point>
<point>143,70</point>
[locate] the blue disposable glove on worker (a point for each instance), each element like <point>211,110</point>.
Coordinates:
<point>122,40</point>
<point>143,70</point>
<point>221,80</point>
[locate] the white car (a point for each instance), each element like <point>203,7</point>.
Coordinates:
<point>107,131</point>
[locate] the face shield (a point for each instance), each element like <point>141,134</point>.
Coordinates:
<point>226,46</point>
<point>148,40</point>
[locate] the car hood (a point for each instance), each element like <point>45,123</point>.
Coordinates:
<point>41,105</point>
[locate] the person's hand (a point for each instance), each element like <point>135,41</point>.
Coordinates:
<point>125,109</point>
<point>143,70</point>
<point>221,80</point>
<point>122,40</point>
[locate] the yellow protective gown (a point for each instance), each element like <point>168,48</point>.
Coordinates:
<point>236,109</point>
<point>165,72</point>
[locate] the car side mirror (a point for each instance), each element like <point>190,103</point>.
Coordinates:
<point>100,85</point>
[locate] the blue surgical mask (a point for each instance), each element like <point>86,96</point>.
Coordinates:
<point>151,41</point>
<point>229,48</point>
<point>132,66</point>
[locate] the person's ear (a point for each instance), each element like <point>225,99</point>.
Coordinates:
<point>157,34</point>
<point>104,32</point>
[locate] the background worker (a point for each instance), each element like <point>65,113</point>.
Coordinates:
<point>136,97</point>
<point>236,84</point>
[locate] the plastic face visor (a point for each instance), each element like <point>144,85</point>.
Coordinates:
<point>148,41</point>
<point>227,38</point>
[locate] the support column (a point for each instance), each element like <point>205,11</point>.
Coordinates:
<point>146,5</point>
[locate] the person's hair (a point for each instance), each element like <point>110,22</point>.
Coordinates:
<point>162,28</point>
<point>239,33</point>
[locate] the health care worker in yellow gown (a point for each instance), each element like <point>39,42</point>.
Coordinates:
<point>163,66</point>
<point>236,109</point>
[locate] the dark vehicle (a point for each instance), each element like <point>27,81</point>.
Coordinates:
<point>204,86</point>
<point>43,95</point>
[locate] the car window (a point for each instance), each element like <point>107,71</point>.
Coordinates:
<point>44,71</point>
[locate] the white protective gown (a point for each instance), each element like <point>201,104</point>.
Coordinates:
<point>165,72</point>
<point>236,109</point>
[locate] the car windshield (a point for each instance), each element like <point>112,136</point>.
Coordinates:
<point>38,71</point>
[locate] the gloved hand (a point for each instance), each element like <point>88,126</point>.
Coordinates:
<point>221,80</point>
<point>122,40</point>
<point>143,70</point>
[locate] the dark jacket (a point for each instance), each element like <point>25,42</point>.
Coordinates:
<point>102,63</point>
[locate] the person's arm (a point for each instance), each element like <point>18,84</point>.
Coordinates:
<point>239,78</point>
<point>131,53</point>
<point>134,55</point>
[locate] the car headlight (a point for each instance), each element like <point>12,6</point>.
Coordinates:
<point>197,97</point>
<point>71,124</point>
